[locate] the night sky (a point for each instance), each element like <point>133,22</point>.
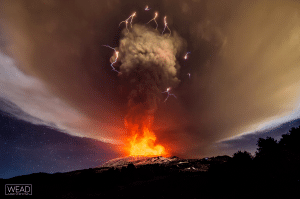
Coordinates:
<point>27,148</point>
<point>63,108</point>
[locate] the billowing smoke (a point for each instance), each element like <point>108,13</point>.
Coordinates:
<point>148,66</point>
<point>244,67</point>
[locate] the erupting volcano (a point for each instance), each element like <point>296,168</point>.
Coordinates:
<point>146,64</point>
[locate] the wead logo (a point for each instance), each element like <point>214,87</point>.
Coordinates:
<point>18,189</point>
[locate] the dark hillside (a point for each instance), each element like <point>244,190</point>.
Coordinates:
<point>272,173</point>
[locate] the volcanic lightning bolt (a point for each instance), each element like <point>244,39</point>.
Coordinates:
<point>168,91</point>
<point>156,14</point>
<point>126,21</point>
<point>132,18</point>
<point>166,26</point>
<point>116,59</point>
<point>186,55</point>
<point>147,8</point>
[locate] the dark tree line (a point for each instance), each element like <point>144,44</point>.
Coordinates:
<point>281,157</point>
<point>276,159</point>
<point>274,171</point>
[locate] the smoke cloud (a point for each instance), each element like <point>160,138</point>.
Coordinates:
<point>148,66</point>
<point>27,98</point>
<point>244,66</point>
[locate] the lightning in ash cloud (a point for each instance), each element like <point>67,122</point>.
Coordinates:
<point>186,55</point>
<point>147,63</point>
<point>126,21</point>
<point>168,91</point>
<point>116,59</point>
<point>156,14</point>
<point>147,8</point>
<point>166,26</point>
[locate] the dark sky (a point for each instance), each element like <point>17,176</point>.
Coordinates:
<point>28,148</point>
<point>244,66</point>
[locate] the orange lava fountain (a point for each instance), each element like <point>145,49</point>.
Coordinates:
<point>143,144</point>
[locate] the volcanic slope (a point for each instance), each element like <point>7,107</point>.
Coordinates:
<point>168,162</point>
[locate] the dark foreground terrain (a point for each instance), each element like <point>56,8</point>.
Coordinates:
<point>273,173</point>
<point>178,179</point>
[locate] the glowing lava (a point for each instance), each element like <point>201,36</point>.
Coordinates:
<point>143,143</point>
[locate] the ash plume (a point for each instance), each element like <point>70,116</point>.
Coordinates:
<point>148,66</point>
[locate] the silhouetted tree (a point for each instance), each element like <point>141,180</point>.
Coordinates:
<point>267,161</point>
<point>242,157</point>
<point>291,140</point>
<point>267,149</point>
<point>290,154</point>
<point>240,165</point>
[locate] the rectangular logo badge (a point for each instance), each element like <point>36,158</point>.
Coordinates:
<point>18,189</point>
